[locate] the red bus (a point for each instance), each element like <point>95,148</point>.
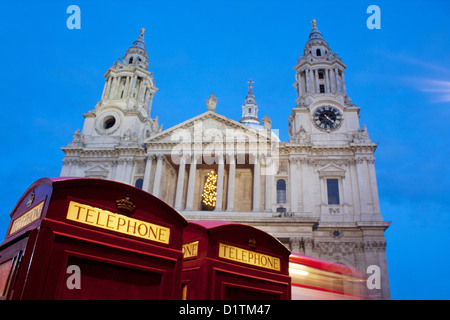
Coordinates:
<point>316,279</point>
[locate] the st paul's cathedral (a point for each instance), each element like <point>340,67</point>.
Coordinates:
<point>317,193</point>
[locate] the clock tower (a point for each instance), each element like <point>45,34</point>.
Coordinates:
<point>323,110</point>
<point>327,123</point>
<point>332,160</point>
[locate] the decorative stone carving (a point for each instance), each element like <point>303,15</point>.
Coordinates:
<point>211,103</point>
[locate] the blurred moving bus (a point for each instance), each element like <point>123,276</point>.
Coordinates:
<point>316,279</point>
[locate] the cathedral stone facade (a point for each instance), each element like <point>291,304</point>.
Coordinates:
<point>317,193</point>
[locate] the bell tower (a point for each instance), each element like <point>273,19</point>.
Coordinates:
<point>319,72</point>
<point>119,122</point>
<point>128,83</point>
<point>334,158</point>
<point>122,116</point>
<point>323,113</point>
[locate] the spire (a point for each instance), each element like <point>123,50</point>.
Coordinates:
<point>129,80</point>
<point>316,45</point>
<point>319,71</point>
<point>315,33</point>
<point>137,53</point>
<point>250,108</point>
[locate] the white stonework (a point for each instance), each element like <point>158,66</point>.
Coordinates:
<point>317,193</point>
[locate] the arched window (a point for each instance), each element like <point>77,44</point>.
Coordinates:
<point>318,53</point>
<point>131,60</point>
<point>138,183</point>
<point>281,191</point>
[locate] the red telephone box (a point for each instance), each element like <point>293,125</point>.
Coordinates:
<point>80,238</point>
<point>224,260</point>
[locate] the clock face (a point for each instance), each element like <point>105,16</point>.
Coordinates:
<point>327,118</point>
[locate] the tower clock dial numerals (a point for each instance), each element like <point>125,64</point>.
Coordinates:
<point>327,118</point>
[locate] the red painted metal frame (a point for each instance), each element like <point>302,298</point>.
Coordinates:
<point>43,248</point>
<point>210,277</point>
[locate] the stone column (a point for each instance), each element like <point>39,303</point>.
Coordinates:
<point>231,182</point>
<point>363,181</point>
<point>180,183</point>
<point>316,80</point>
<point>191,184</point>
<point>148,172</point>
<point>308,85</point>
<point>293,178</point>
<point>336,76</point>
<point>256,184</point>
<point>327,81</point>
<point>300,87</point>
<point>157,182</point>
<point>343,83</point>
<point>116,87</point>
<point>269,182</point>
<point>129,171</point>
<point>120,170</point>
<point>305,188</point>
<point>127,87</point>
<point>332,84</point>
<point>220,176</point>
<point>374,187</point>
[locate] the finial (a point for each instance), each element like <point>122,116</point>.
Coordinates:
<point>142,32</point>
<point>250,87</point>
<point>314,23</point>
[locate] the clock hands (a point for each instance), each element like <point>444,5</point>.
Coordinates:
<point>328,118</point>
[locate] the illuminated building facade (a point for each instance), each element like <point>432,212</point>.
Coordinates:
<point>317,193</point>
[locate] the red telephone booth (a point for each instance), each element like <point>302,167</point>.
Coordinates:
<point>224,260</point>
<point>79,238</point>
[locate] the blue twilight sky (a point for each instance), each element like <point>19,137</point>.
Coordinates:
<point>399,75</point>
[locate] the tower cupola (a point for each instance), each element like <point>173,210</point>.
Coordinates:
<point>137,54</point>
<point>319,72</point>
<point>250,108</point>
<point>316,46</point>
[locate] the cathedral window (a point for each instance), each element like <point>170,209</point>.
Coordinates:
<point>281,191</point>
<point>131,60</point>
<point>139,183</point>
<point>333,191</point>
<point>318,53</point>
<point>322,88</point>
<point>320,74</point>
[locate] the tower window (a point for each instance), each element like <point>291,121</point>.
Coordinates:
<point>333,191</point>
<point>139,183</point>
<point>281,191</point>
<point>249,110</point>
<point>109,122</point>
<point>320,74</point>
<point>131,60</point>
<point>318,53</point>
<point>322,88</point>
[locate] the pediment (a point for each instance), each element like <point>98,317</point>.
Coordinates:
<point>97,171</point>
<point>331,170</point>
<point>206,128</point>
